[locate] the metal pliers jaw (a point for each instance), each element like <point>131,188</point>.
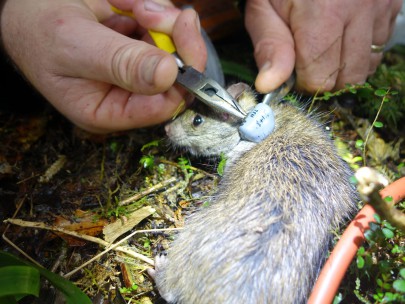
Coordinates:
<point>208,91</point>
<point>280,92</point>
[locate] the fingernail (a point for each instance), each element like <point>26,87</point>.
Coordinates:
<point>265,67</point>
<point>153,6</point>
<point>149,67</point>
<point>197,22</point>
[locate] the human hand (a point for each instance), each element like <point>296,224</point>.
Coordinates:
<point>327,42</point>
<point>77,56</point>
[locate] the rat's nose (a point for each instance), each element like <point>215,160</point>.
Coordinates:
<point>167,129</point>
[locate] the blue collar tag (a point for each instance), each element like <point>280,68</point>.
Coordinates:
<point>258,123</point>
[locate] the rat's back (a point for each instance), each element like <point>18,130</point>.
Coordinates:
<point>268,229</point>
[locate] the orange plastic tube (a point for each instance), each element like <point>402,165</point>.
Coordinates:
<point>345,250</point>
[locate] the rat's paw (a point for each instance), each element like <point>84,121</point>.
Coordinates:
<point>152,273</point>
<point>160,263</point>
<point>158,274</point>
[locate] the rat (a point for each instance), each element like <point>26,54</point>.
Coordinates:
<point>267,231</point>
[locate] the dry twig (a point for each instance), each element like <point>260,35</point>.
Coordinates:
<point>370,182</point>
<point>109,246</point>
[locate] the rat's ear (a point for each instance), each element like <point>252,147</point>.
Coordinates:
<point>228,118</point>
<point>244,95</point>
<point>237,89</point>
<point>225,117</point>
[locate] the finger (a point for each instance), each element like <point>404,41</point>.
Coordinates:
<point>318,32</point>
<point>183,26</point>
<point>383,28</point>
<point>125,5</point>
<point>120,110</point>
<point>273,44</point>
<point>122,24</point>
<point>188,39</point>
<point>102,108</point>
<point>156,15</point>
<point>375,60</point>
<point>104,55</point>
<point>101,9</point>
<point>385,13</point>
<point>105,15</point>
<point>356,49</point>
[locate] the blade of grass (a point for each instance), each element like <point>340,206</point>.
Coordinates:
<point>19,281</point>
<point>72,293</point>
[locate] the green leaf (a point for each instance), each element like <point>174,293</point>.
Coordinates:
<point>399,285</point>
<point>386,286</point>
<point>221,164</point>
<point>206,204</point>
<point>378,124</point>
<point>146,244</point>
<point>357,281</point>
<point>377,218</point>
<point>402,273</point>
<point>73,294</point>
<point>114,146</point>
<point>395,249</point>
<point>359,143</point>
<point>357,159</point>
<point>379,296</point>
<point>380,92</point>
<point>389,234</point>
<point>388,297</point>
<point>128,290</point>
<point>385,267</point>
<point>27,277</point>
<point>327,96</point>
<point>153,143</point>
<point>338,298</point>
<point>388,225</point>
<point>360,262</point>
<point>369,235</point>
<point>147,161</point>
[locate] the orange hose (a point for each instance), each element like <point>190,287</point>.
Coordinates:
<point>342,255</point>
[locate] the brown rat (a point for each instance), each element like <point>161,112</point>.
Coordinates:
<point>267,231</point>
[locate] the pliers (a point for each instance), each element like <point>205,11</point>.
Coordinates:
<point>204,88</point>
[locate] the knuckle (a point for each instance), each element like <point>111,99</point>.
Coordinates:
<point>313,85</point>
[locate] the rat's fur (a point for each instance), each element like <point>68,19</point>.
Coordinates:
<point>268,229</point>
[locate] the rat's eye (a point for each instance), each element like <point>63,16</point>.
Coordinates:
<point>198,120</point>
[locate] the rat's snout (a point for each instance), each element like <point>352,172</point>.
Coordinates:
<point>174,131</point>
<point>167,129</point>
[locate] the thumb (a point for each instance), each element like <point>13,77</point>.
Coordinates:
<point>104,55</point>
<point>273,45</point>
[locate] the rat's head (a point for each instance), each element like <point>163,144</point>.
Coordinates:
<point>205,132</point>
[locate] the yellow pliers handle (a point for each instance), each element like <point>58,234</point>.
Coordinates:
<point>162,41</point>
